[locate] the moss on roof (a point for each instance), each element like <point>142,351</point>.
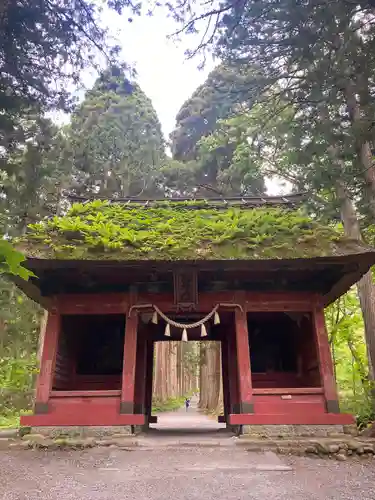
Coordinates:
<point>175,231</point>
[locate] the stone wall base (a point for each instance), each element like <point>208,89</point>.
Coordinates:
<point>83,431</point>
<point>290,431</point>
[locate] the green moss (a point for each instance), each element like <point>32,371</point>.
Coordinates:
<point>177,231</point>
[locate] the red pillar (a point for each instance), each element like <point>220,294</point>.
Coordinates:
<point>140,375</point>
<point>225,378</point>
<point>325,362</point>
<point>128,370</point>
<point>149,376</point>
<point>49,344</point>
<point>232,372</point>
<point>243,364</point>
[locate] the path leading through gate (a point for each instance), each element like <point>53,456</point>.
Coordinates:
<point>191,427</point>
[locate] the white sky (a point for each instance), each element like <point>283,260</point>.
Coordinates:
<point>163,72</point>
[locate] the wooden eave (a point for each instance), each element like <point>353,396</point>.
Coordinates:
<point>347,270</point>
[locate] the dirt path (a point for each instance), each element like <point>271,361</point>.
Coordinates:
<point>190,421</point>
<point>188,474</point>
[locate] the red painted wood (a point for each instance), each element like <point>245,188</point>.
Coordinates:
<point>277,379</point>
<point>130,351</point>
<point>291,419</point>
<point>86,394</point>
<point>149,375</point>
<point>300,403</point>
<point>232,371</point>
<point>289,390</point>
<point>225,377</point>
<point>140,372</point>
<point>48,358</point>
<point>251,301</point>
<point>96,382</point>
<point>101,411</point>
<point>243,358</point>
<point>63,363</point>
<point>324,355</point>
<point>98,303</point>
<point>280,301</point>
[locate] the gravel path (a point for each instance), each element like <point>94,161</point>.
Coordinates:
<point>201,473</point>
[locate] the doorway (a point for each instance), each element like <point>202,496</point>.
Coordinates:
<point>187,394</point>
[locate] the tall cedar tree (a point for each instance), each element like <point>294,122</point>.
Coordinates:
<point>116,139</point>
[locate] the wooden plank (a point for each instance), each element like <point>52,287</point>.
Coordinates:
<point>96,303</point>
<point>48,360</point>
<point>325,361</point>
<point>290,390</point>
<point>291,419</point>
<point>98,411</point>
<point>128,372</point>
<point>86,394</point>
<point>250,301</point>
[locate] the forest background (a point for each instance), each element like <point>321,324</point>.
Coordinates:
<point>291,100</point>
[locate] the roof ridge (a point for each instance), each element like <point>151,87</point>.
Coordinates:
<point>201,202</point>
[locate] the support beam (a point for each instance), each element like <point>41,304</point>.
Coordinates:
<point>232,372</point>
<point>243,364</point>
<point>149,375</point>
<point>49,342</point>
<point>128,370</point>
<point>225,378</point>
<point>325,362</point>
<point>140,374</point>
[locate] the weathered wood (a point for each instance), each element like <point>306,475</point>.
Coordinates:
<point>128,373</point>
<point>243,363</point>
<point>48,359</point>
<point>233,372</point>
<point>140,374</point>
<point>86,394</point>
<point>290,390</point>
<point>325,362</point>
<point>225,378</point>
<point>149,377</point>
<point>98,303</point>
<point>250,301</point>
<point>100,411</point>
<point>291,419</point>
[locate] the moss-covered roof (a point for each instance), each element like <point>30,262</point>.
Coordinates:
<point>174,231</point>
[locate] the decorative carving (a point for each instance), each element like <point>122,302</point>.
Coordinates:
<point>185,290</point>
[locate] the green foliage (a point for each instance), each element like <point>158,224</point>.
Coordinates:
<point>19,330</point>
<point>170,231</point>
<point>44,48</point>
<point>224,92</point>
<point>11,261</point>
<point>171,404</point>
<point>346,335</point>
<point>116,139</point>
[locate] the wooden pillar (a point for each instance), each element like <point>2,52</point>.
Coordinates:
<point>243,364</point>
<point>225,377</point>
<point>232,373</point>
<point>140,375</point>
<point>149,375</point>
<point>48,351</point>
<point>325,362</point>
<point>128,369</point>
